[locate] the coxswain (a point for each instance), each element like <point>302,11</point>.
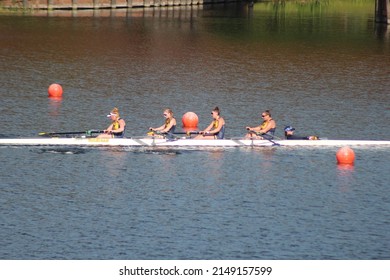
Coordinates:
<point>289,135</point>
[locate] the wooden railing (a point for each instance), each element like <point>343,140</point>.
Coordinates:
<point>100,4</point>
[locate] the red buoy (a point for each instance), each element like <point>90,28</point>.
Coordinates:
<point>55,90</point>
<point>190,120</point>
<point>345,155</point>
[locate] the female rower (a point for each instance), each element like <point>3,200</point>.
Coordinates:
<point>116,128</point>
<point>169,125</point>
<point>216,129</point>
<point>267,127</point>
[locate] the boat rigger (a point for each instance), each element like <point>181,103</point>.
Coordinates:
<point>161,142</point>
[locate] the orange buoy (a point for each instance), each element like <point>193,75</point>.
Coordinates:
<point>345,155</point>
<point>55,90</point>
<point>190,120</point>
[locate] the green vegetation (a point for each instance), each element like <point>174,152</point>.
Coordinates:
<point>299,6</point>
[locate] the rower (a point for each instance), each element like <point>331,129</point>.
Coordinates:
<point>266,130</point>
<point>289,134</point>
<point>117,128</point>
<point>168,127</point>
<point>216,129</point>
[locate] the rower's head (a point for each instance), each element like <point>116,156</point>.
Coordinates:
<point>215,112</point>
<point>289,130</point>
<point>114,114</point>
<point>266,115</point>
<point>168,113</point>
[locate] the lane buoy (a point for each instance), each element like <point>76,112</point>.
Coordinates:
<point>345,155</point>
<point>190,120</point>
<point>55,90</point>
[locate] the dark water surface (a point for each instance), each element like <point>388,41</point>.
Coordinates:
<point>322,68</point>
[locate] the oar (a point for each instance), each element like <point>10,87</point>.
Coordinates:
<point>188,132</point>
<point>151,132</point>
<point>88,132</point>
<point>269,137</point>
<point>265,136</point>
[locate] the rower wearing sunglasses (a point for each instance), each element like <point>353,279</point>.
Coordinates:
<point>168,127</point>
<point>263,131</point>
<point>216,129</point>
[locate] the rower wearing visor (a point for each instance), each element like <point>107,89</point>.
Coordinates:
<point>216,129</point>
<point>117,128</point>
<point>169,126</point>
<point>265,130</point>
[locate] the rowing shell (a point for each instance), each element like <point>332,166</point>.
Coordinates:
<point>144,142</point>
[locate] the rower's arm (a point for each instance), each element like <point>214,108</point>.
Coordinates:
<point>109,128</point>
<point>256,128</point>
<point>157,128</point>
<point>209,127</point>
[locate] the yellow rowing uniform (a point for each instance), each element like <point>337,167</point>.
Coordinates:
<point>167,121</point>
<point>115,125</point>
<point>264,124</point>
<point>221,133</point>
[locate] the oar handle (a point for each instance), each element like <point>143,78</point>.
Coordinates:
<point>188,132</point>
<point>254,132</point>
<point>179,132</point>
<point>259,133</point>
<point>265,136</point>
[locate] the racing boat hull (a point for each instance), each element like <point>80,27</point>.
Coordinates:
<point>149,142</point>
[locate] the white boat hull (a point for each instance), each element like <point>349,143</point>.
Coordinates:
<point>150,142</point>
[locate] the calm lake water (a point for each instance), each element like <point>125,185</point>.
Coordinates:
<point>322,68</point>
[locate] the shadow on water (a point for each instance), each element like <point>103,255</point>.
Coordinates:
<point>62,151</point>
<point>382,32</point>
<point>267,152</point>
<point>110,150</point>
<point>154,151</point>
